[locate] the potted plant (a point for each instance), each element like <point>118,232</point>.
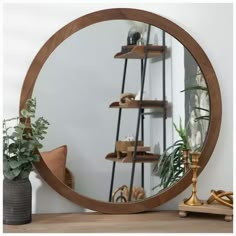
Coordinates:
<point>171,166</point>
<point>21,139</point>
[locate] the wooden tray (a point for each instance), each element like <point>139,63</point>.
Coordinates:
<point>213,208</point>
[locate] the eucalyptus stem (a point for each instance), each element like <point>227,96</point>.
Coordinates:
<point>20,144</point>
<point>7,120</point>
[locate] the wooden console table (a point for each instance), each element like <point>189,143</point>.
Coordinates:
<point>150,222</point>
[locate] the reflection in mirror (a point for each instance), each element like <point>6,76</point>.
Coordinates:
<point>81,79</point>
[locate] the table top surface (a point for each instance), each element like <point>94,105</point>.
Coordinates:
<point>150,222</point>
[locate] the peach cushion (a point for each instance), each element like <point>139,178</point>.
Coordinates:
<point>56,161</point>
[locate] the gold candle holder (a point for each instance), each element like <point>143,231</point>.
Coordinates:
<point>194,200</point>
<point>185,159</point>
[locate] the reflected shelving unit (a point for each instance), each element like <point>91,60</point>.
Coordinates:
<point>137,153</point>
<point>145,104</point>
<point>140,51</point>
<point>146,157</point>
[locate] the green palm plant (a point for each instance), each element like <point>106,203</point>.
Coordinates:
<point>170,167</point>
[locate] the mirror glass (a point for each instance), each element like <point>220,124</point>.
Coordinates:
<point>76,90</point>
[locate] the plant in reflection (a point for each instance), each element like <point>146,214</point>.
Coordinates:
<point>20,142</point>
<point>170,167</point>
<point>197,109</point>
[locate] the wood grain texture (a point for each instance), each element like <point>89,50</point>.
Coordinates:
<point>140,158</point>
<point>206,68</point>
<point>152,222</point>
<point>138,52</point>
<point>214,208</point>
<point>152,104</point>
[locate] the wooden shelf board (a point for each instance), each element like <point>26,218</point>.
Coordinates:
<point>138,51</point>
<point>137,104</point>
<point>139,149</point>
<point>148,157</point>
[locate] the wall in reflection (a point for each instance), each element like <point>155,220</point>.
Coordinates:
<point>75,88</point>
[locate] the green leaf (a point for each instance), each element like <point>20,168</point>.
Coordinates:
<point>16,163</point>
<point>22,125</point>
<point>197,87</point>
<point>170,163</point>
<point>24,174</point>
<point>19,130</point>
<point>23,149</point>
<point>34,157</point>
<point>12,174</point>
<point>24,113</point>
<point>6,165</point>
<point>202,109</point>
<point>13,148</point>
<point>202,118</point>
<point>16,172</point>
<point>8,174</point>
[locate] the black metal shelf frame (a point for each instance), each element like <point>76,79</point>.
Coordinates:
<point>141,116</point>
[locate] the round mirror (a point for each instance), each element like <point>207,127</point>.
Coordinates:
<point>125,96</point>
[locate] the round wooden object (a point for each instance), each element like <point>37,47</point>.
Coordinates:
<point>206,68</point>
<point>228,218</point>
<point>183,213</point>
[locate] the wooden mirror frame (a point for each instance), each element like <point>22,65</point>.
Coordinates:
<point>201,58</point>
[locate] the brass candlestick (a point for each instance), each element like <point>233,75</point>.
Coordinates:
<point>193,200</point>
<point>185,159</point>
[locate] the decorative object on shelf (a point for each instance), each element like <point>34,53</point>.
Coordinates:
<point>133,36</point>
<point>121,197</point>
<point>214,208</point>
<point>125,98</point>
<point>194,200</point>
<point>216,204</point>
<point>122,147</point>
<point>219,197</point>
<point>140,27</point>
<point>123,191</point>
<point>20,144</point>
<point>170,167</point>
<point>137,193</point>
<point>56,162</point>
<point>141,41</point>
<point>129,138</point>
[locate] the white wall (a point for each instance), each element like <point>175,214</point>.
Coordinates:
<point>174,79</point>
<point>27,27</point>
<point>74,89</point>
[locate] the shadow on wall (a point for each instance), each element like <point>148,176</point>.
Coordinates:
<point>46,200</point>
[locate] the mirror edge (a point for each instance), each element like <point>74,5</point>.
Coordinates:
<point>201,58</point>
